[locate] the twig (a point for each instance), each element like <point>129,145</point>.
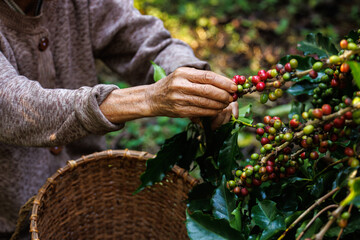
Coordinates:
<point>314,218</point>
<point>334,215</point>
<point>331,165</point>
<point>317,202</point>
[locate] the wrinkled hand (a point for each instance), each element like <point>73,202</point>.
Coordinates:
<point>188,92</point>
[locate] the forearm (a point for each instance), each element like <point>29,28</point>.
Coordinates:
<point>127,104</point>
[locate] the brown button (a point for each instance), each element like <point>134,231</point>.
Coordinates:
<point>56,150</point>
<point>43,44</point>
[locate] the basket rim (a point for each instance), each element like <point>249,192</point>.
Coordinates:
<point>72,164</point>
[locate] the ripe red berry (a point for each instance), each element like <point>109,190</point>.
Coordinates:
<point>260,131</point>
<point>235,96</point>
<point>314,155</point>
<point>244,192</point>
<point>339,122</point>
<point>260,86</point>
<point>317,113</point>
<point>344,44</point>
<point>260,72</point>
<point>294,123</point>
<point>326,108</point>
<point>264,141</point>
<point>334,137</point>
<point>322,149</point>
<point>345,67</point>
<point>270,163</point>
<point>348,115</point>
<point>236,79</point>
<point>269,169</point>
<point>303,155</point>
<point>328,127</point>
<point>290,170</point>
<point>313,74</point>
<point>237,190</point>
<point>349,152</point>
<point>334,82</point>
<point>288,67</point>
<point>304,144</point>
<point>287,150</point>
<point>255,80</point>
<point>242,80</point>
<point>278,67</point>
<point>256,182</point>
<point>267,119</point>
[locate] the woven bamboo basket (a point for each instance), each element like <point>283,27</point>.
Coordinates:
<point>92,198</point>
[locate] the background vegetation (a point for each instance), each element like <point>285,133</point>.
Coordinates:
<point>235,37</point>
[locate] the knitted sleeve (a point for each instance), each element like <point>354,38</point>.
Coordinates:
<point>34,116</point>
<point>127,41</point>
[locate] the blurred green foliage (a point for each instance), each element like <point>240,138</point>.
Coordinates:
<point>235,37</point>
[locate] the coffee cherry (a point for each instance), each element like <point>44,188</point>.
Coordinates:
<point>344,44</point>
<point>352,46</point>
<point>288,137</point>
<point>348,115</point>
<point>349,152</point>
<point>334,82</point>
<point>231,184</point>
<point>345,67</point>
<point>273,73</point>
<point>244,192</point>
<point>294,123</point>
<point>308,129</point>
<point>334,59</point>
<point>237,190</point>
<point>288,67</point>
<point>241,79</point>
<point>269,169</point>
<point>278,92</point>
<point>272,96</point>
<point>287,76</point>
<point>240,88</point>
<point>313,74</point>
<point>260,131</point>
<point>278,67</point>
<point>277,125</point>
<point>317,66</point>
<point>293,63</point>
<point>267,119</point>
<point>314,155</point>
<point>339,122</point>
<point>317,113</point>
<point>342,223</point>
<point>264,141</point>
<point>345,215</point>
<point>264,98</point>
<point>326,109</point>
<point>235,96</point>
<point>260,86</point>
<point>290,170</point>
<point>255,80</point>
<point>254,156</point>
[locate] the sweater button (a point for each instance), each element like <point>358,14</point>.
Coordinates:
<point>43,44</point>
<point>56,150</point>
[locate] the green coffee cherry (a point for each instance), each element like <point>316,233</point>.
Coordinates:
<point>308,129</point>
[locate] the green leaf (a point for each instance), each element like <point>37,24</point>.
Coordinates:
<point>204,227</point>
<point>281,110</point>
<point>223,202</point>
<point>245,110</point>
<point>228,155</point>
<point>355,70</point>
<point>171,152</point>
<point>200,196</point>
<point>354,196</point>
<point>159,72</point>
<point>303,87</point>
<point>268,217</point>
<point>296,108</point>
<point>317,44</point>
<point>236,221</point>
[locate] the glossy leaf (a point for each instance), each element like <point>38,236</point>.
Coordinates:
<point>223,202</point>
<point>355,70</point>
<point>203,227</point>
<point>296,108</point>
<point>200,196</point>
<point>236,221</point>
<point>317,44</point>
<point>267,217</point>
<point>159,72</point>
<point>303,87</point>
<point>172,151</point>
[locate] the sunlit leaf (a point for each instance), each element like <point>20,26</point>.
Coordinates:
<point>355,70</point>
<point>159,72</point>
<point>317,44</point>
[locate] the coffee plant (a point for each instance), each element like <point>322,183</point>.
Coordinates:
<point>303,181</point>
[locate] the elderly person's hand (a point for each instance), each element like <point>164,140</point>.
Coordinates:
<point>186,92</point>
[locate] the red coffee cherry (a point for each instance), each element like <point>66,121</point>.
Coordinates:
<point>288,67</point>
<point>326,108</point>
<point>260,86</point>
<point>317,113</point>
<point>349,152</point>
<point>294,123</point>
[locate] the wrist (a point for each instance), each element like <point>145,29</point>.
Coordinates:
<point>127,104</point>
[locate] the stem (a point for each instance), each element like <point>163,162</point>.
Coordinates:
<point>334,215</point>
<point>331,165</point>
<point>342,229</point>
<point>314,218</point>
<point>317,202</point>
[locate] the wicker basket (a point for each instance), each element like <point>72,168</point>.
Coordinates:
<point>92,198</point>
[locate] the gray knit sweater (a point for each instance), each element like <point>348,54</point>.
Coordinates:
<point>49,94</point>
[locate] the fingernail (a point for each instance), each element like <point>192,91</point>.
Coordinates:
<point>231,99</point>
<point>234,88</point>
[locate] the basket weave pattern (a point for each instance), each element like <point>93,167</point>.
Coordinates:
<point>92,198</point>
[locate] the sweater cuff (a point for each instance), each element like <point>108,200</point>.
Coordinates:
<point>87,110</point>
